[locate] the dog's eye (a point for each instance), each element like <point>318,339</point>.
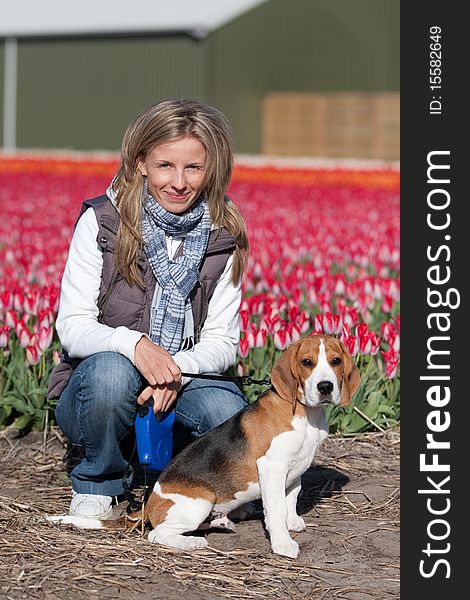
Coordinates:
<point>307,362</point>
<point>336,361</point>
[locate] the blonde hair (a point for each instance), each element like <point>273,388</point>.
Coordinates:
<point>167,121</point>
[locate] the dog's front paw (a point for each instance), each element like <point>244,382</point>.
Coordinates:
<point>295,523</point>
<point>176,540</point>
<point>289,548</point>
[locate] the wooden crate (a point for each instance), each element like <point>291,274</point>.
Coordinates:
<point>331,125</point>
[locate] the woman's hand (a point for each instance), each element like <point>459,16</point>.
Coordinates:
<point>163,395</point>
<point>156,364</point>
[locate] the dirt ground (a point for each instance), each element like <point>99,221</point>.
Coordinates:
<point>350,550</point>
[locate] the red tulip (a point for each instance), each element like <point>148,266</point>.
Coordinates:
<point>244,318</point>
<point>332,324</point>
<point>387,304</point>
<point>364,338</point>
<point>6,300</point>
<point>350,341</point>
<point>391,363</point>
<point>243,348</point>
<point>265,323</point>
<point>30,303</point>
<point>375,343</point>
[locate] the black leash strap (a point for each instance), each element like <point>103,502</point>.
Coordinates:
<point>242,379</point>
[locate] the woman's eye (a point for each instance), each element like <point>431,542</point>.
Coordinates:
<point>307,362</point>
<point>336,361</point>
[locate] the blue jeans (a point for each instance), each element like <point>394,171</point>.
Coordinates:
<point>98,407</point>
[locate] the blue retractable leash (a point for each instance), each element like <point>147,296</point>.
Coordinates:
<point>154,433</point>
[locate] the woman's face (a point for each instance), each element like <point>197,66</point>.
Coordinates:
<point>175,173</point>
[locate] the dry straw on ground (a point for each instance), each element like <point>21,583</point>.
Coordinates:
<point>350,502</point>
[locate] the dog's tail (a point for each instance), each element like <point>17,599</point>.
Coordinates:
<point>153,511</point>
<point>126,522</point>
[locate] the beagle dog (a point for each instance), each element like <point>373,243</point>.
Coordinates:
<point>261,452</point>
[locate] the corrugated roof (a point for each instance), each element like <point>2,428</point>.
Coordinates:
<point>26,18</point>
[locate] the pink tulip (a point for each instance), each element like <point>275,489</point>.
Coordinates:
<point>4,336</point>
<point>265,323</point>
<point>394,341</point>
<point>241,370</point>
<point>318,324</point>
<point>340,287</point>
<point>387,329</point>
<point>328,323</point>
<point>45,317</point>
<point>280,339</point>
<point>303,321</point>
<point>335,324</point>
<point>32,355</point>
<point>294,332</point>
<point>325,304</point>
<point>276,323</point>
<point>45,338</point>
<point>250,336</point>
<point>351,315</point>
<point>22,333</point>
<point>370,301</point>
<point>260,340</point>
<point>11,318</point>
<point>397,321</point>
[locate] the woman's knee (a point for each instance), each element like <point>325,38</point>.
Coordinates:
<point>108,377</point>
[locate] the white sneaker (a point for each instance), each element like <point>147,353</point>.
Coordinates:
<point>91,506</point>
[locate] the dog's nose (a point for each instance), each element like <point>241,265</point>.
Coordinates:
<point>325,387</point>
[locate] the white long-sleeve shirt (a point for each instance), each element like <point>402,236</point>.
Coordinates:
<point>82,335</point>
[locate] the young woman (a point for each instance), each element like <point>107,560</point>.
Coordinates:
<point>151,289</point>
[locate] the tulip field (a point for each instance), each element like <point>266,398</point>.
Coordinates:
<point>324,258</point>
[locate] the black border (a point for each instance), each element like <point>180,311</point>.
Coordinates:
<point>422,133</point>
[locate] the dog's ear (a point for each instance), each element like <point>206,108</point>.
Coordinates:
<point>351,377</point>
<point>284,376</point>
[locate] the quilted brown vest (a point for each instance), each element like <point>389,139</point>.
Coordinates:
<point>120,304</point>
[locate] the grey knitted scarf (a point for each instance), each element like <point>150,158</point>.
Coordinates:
<point>176,277</point>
